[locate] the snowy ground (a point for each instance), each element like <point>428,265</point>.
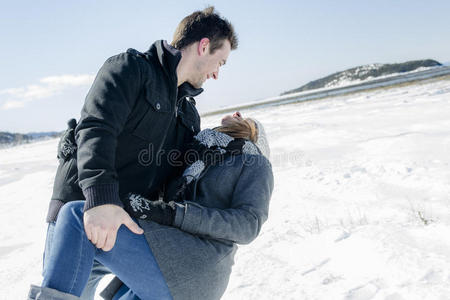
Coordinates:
<point>360,208</point>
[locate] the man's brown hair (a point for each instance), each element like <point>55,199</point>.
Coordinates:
<point>204,24</point>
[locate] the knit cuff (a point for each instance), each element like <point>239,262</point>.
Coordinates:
<point>101,194</point>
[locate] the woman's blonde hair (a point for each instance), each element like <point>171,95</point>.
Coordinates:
<point>240,128</point>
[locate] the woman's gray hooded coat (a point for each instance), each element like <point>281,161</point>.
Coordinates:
<point>230,206</point>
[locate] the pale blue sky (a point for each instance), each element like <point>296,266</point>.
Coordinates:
<point>50,50</point>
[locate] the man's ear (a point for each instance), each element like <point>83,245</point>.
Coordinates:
<point>203,46</point>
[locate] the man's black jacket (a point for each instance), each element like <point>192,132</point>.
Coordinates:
<point>134,124</point>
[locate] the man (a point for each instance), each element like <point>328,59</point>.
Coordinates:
<point>139,107</point>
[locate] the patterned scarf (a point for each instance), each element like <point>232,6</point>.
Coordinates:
<point>211,147</point>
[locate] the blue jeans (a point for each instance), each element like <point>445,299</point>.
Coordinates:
<point>97,273</point>
<point>70,257</point>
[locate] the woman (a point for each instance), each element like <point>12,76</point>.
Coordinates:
<point>221,200</point>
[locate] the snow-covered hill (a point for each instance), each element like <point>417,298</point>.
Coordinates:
<point>360,208</point>
<point>8,139</point>
<point>366,73</point>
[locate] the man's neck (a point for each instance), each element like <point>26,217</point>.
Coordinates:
<point>181,69</point>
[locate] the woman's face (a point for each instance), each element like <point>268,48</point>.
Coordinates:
<point>229,118</point>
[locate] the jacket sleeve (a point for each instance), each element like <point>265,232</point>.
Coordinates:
<point>241,223</point>
<point>105,111</point>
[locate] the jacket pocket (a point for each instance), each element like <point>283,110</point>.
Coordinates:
<point>155,122</point>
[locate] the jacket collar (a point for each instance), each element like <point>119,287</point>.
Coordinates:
<point>187,90</point>
<point>169,58</point>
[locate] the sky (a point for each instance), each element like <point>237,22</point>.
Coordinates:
<point>51,50</point>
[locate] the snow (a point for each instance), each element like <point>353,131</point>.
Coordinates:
<point>360,207</point>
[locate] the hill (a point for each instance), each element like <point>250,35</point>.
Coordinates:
<point>366,72</point>
<point>12,139</point>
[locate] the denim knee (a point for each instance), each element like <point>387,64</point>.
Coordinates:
<point>72,212</point>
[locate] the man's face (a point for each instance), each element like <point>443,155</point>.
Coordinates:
<point>207,65</point>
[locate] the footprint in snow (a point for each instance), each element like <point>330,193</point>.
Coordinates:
<point>363,292</point>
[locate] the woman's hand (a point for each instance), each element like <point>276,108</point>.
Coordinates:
<point>156,210</point>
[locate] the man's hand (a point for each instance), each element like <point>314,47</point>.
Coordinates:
<point>102,222</point>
